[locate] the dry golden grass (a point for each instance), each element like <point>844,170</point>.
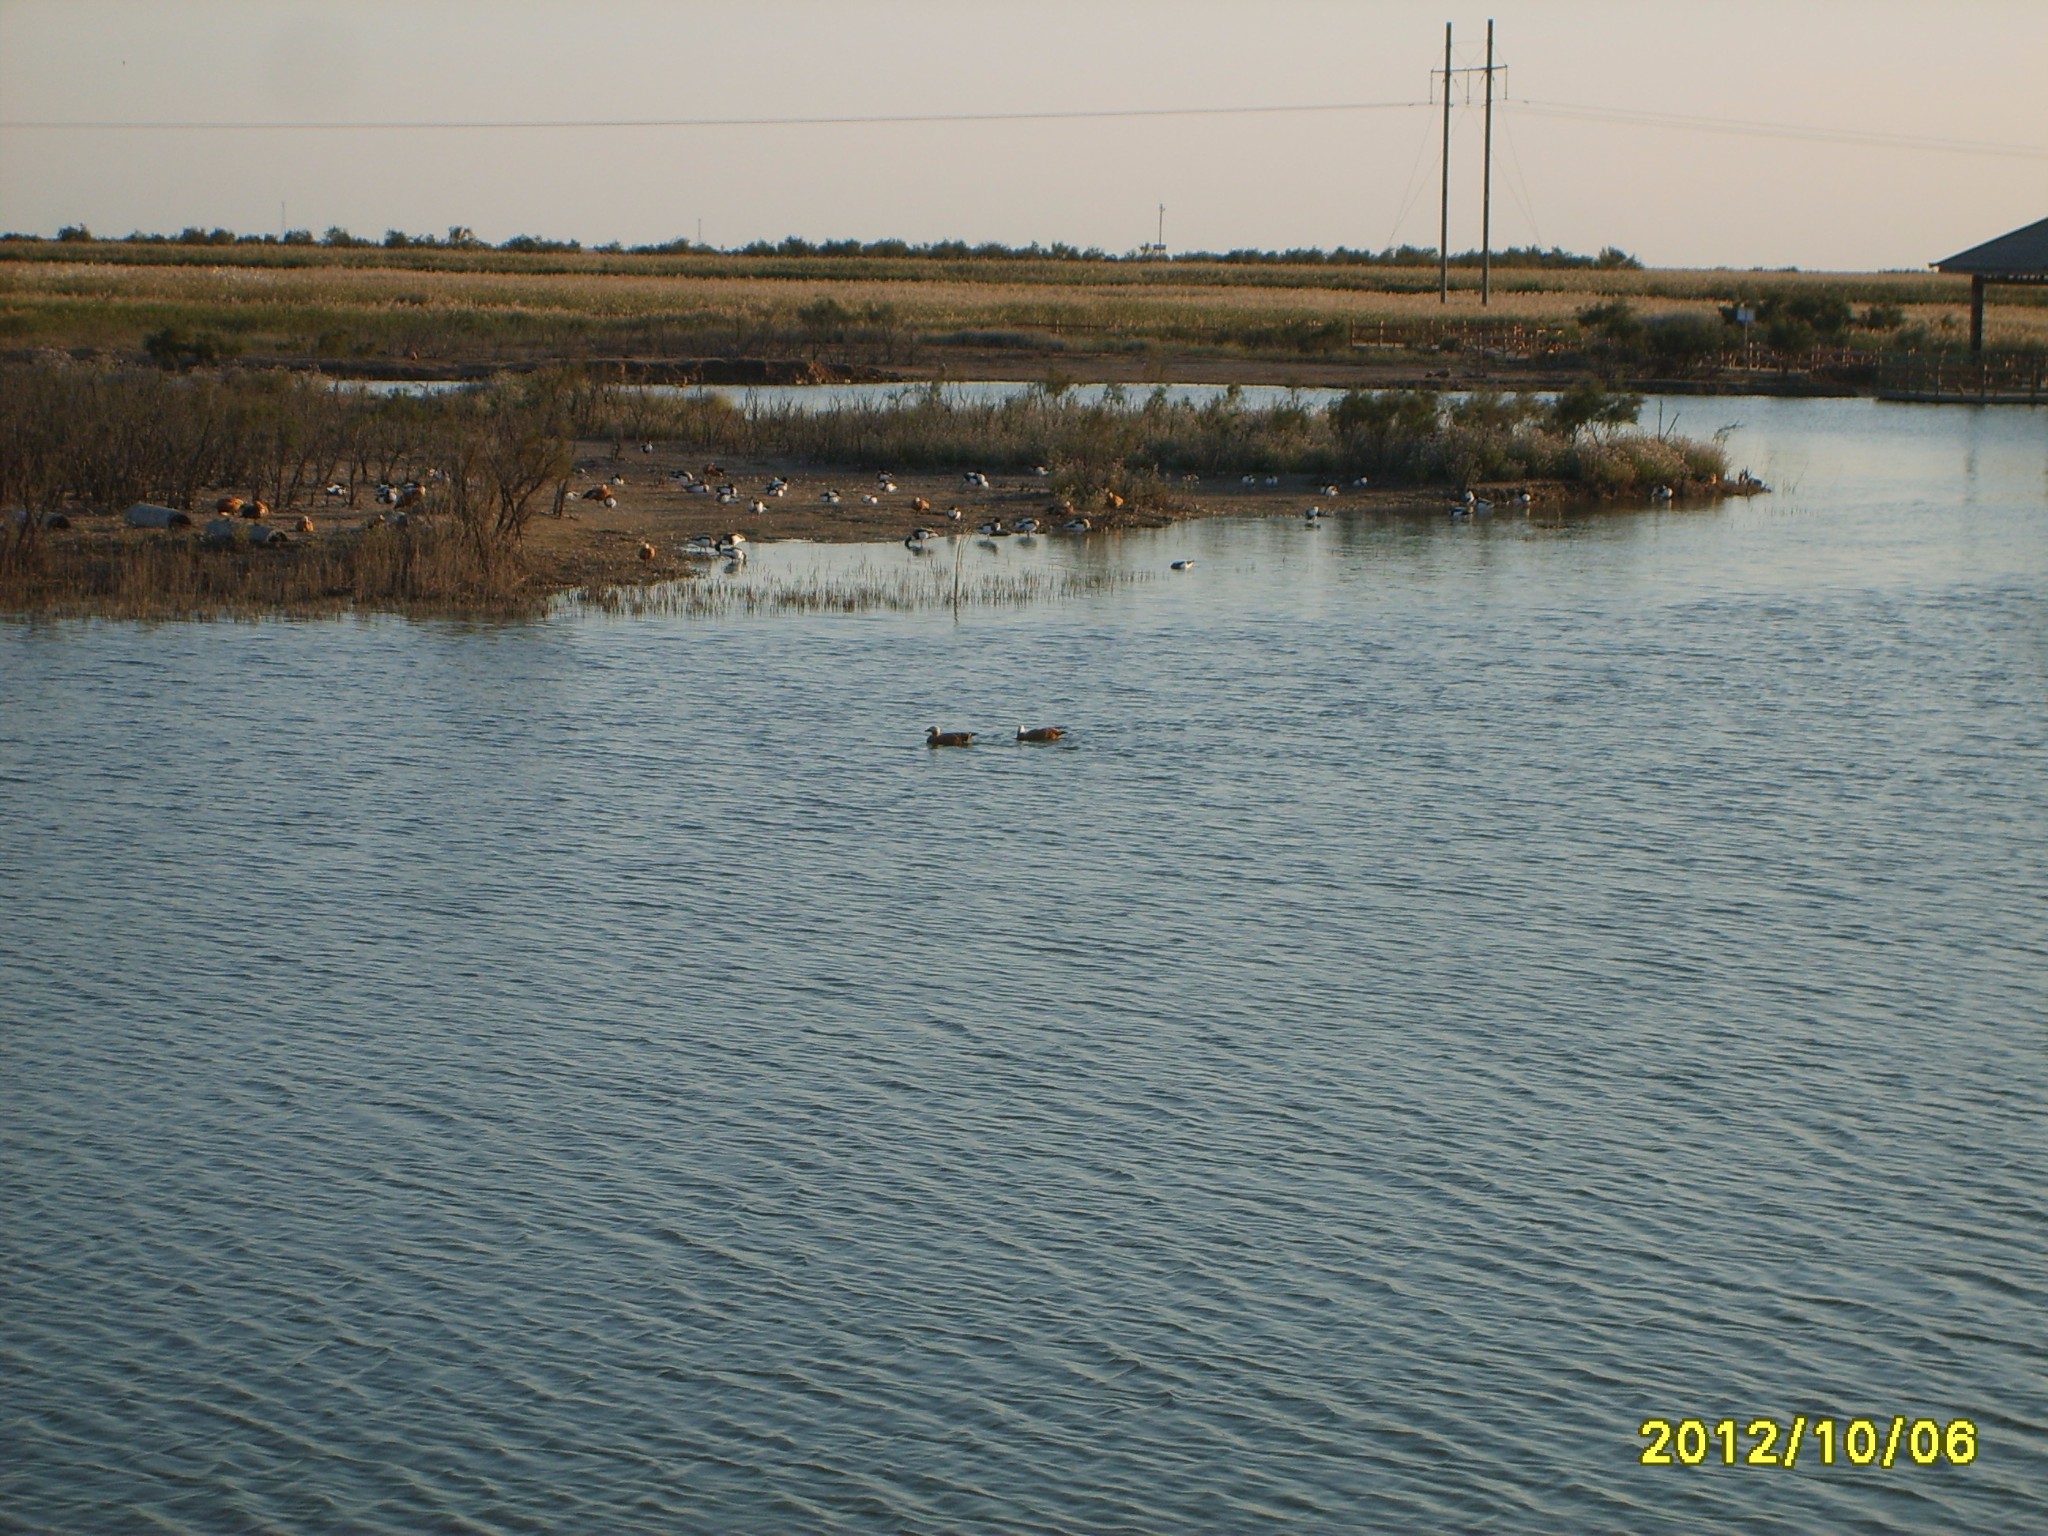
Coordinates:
<point>355,308</point>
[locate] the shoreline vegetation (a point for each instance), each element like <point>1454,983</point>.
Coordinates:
<point>278,494</point>
<point>418,307</point>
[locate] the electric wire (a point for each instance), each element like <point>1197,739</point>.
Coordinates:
<point>1518,183</point>
<point>847,121</point>
<point>1414,187</point>
<point>1877,140</point>
<point>1531,106</point>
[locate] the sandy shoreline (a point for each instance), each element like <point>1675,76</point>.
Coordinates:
<point>595,543</point>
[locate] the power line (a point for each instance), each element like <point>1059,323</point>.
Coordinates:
<point>1777,130</point>
<point>720,122</point>
<point>1533,108</point>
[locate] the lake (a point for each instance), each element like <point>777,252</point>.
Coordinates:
<point>1462,990</point>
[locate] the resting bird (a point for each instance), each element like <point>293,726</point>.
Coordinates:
<point>938,738</point>
<point>1041,733</point>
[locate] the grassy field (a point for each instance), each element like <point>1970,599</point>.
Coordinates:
<point>911,316</point>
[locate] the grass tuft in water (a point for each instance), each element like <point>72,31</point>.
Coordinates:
<point>865,589</point>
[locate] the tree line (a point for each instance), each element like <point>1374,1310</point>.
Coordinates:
<point>462,238</point>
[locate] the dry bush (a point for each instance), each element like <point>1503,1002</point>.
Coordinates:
<point>77,440</point>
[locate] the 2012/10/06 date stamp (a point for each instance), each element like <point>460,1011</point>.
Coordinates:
<point>1807,1442</point>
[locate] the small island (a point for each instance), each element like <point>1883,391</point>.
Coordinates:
<point>150,493</point>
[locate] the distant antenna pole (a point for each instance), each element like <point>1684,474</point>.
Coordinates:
<point>1486,184</point>
<point>1443,222</point>
<point>1162,229</point>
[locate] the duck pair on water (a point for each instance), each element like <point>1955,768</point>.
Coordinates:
<point>1037,734</point>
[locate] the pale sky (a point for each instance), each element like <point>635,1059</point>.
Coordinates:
<point>1948,70</point>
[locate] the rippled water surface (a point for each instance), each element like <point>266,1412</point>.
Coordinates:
<point>1464,989</point>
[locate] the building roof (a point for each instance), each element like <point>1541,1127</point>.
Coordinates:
<point>2024,250</point>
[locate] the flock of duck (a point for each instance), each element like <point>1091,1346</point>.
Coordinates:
<point>1037,735</point>
<point>712,480</point>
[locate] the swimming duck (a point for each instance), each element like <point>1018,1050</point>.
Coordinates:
<point>938,738</point>
<point>1182,565</point>
<point>1041,733</point>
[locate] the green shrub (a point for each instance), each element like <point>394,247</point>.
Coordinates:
<point>1590,403</point>
<point>1683,342</point>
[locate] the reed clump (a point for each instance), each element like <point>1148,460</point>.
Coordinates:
<point>1153,449</point>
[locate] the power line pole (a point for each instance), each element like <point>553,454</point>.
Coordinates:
<point>1486,193</point>
<point>1443,222</point>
